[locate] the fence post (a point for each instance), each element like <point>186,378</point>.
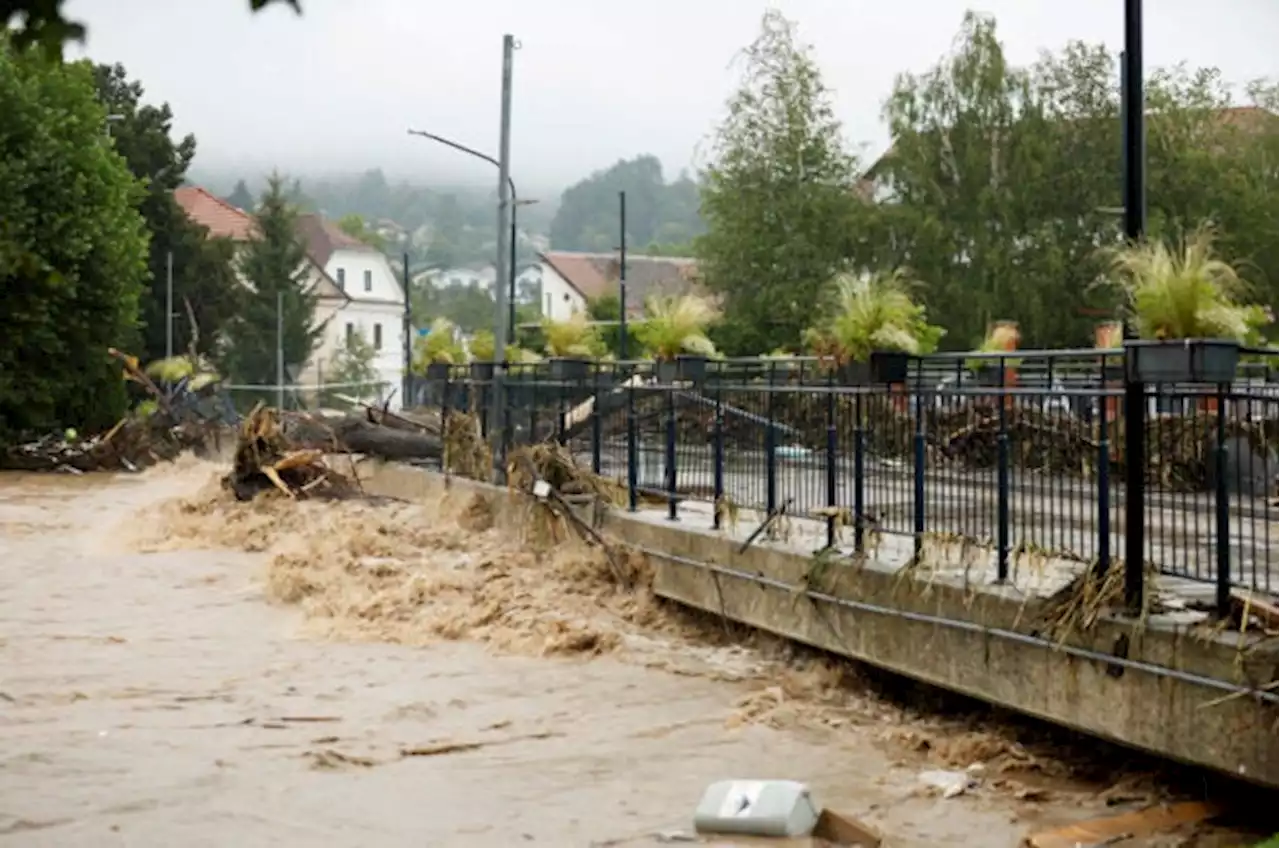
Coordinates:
<point>632,459</point>
<point>1222,534</point>
<point>445,397</point>
<point>562,391</point>
<point>1104,472</point>
<point>508,420</point>
<point>770,449</point>
<point>858,471</point>
<point>534,385</point>
<point>672,504</point>
<point>918,463</point>
<point>1002,481</point>
<point>717,437</point>
<point>1135,483</point>
<point>831,460</point>
<point>595,420</point>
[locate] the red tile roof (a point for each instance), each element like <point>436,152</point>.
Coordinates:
<point>323,238</point>
<point>223,220</point>
<point>220,218</point>
<point>596,274</point>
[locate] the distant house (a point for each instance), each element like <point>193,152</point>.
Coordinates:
<point>353,283</point>
<point>375,298</point>
<point>571,280</point>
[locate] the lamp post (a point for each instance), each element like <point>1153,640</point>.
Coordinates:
<point>1133,111</point>
<point>515,204</point>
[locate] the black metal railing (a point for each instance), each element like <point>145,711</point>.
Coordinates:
<point>1007,461</point>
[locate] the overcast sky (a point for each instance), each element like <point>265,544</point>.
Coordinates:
<point>595,80</point>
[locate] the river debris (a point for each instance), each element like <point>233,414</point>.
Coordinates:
<point>266,459</point>
<point>562,490</point>
<point>1135,825</point>
<point>158,431</point>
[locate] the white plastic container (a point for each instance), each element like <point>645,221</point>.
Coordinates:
<point>756,808</point>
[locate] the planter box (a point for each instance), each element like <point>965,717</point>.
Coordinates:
<point>989,375</point>
<point>481,372</point>
<point>888,366</point>
<point>570,370</point>
<point>439,371</point>
<point>854,374</point>
<point>1182,361</point>
<point>682,369</point>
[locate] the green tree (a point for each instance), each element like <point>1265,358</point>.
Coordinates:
<point>969,145</point>
<point>588,215</point>
<point>355,226</point>
<point>72,249</point>
<point>353,364</point>
<point>608,307</point>
<point>778,199</point>
<point>276,267</point>
<point>1003,183</point>
<point>241,197</point>
<point>470,307</point>
<point>204,282</point>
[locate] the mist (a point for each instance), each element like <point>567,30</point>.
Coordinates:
<point>334,90</point>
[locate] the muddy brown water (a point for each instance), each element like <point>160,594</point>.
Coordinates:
<point>159,698</point>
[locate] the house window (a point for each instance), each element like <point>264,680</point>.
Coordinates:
<point>368,281</point>
<point>342,280</point>
<point>351,332</point>
<point>546,308</point>
<point>377,335</point>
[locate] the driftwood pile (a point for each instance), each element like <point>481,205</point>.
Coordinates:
<point>131,445</point>
<point>134,443</point>
<point>293,452</point>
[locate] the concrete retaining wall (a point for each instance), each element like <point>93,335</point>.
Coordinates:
<point>1160,696</point>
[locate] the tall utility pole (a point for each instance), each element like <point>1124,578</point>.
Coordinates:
<point>622,275</point>
<point>505,208</point>
<point>406,382</point>
<point>1134,114</point>
<point>280,351</point>
<point>168,306</point>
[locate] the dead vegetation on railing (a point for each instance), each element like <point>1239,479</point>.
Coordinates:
<point>559,490</point>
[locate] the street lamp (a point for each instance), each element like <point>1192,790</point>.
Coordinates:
<point>515,204</point>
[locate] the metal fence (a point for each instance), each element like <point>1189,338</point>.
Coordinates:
<point>1022,456</point>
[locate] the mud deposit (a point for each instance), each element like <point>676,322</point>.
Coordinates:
<point>180,669</point>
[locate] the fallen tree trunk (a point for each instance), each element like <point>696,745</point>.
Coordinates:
<point>356,434</point>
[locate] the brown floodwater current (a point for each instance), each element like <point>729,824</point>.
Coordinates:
<point>177,669</point>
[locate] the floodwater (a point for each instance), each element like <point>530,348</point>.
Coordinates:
<point>200,673</point>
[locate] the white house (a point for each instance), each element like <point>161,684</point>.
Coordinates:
<point>571,279</point>
<point>222,220</point>
<point>354,285</point>
<point>375,305</point>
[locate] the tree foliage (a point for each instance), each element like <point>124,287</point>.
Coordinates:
<point>72,249</point>
<point>1003,184</point>
<point>658,212</point>
<point>355,226</point>
<point>778,199</point>
<point>352,366</point>
<point>469,307</point>
<point>204,283</point>
<point>276,267</point>
<point>241,197</point>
